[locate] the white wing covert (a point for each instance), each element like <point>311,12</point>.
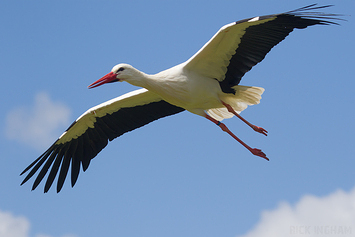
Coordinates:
<point>239,46</point>
<point>90,133</point>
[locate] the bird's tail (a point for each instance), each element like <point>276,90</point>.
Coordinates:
<point>244,96</point>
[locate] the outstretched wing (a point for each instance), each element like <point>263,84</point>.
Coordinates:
<point>90,133</point>
<point>239,46</point>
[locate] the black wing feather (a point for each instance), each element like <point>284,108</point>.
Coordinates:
<point>54,169</point>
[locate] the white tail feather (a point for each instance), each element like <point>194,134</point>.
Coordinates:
<point>244,96</point>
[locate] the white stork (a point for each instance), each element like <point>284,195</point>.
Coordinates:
<point>207,84</point>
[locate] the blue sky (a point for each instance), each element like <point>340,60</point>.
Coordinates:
<point>181,175</point>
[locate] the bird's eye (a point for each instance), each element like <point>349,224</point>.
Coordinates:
<point>120,69</point>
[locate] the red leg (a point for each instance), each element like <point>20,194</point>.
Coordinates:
<point>256,128</point>
<point>255,151</point>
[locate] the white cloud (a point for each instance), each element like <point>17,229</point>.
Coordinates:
<point>11,226</point>
<point>332,215</point>
<point>38,125</point>
<point>17,226</point>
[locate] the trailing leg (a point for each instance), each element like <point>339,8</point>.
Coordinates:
<point>255,151</point>
<point>255,128</point>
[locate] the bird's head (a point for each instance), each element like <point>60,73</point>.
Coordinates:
<point>120,72</point>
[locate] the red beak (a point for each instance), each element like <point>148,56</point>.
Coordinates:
<point>110,77</point>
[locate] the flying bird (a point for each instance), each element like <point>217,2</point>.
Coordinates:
<point>207,84</point>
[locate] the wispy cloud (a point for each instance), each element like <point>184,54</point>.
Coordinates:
<point>332,215</point>
<point>37,125</point>
<point>12,226</point>
<point>17,226</point>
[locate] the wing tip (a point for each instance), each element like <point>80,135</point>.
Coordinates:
<point>321,18</point>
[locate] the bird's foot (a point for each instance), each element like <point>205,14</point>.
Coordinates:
<point>259,130</point>
<point>258,152</point>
